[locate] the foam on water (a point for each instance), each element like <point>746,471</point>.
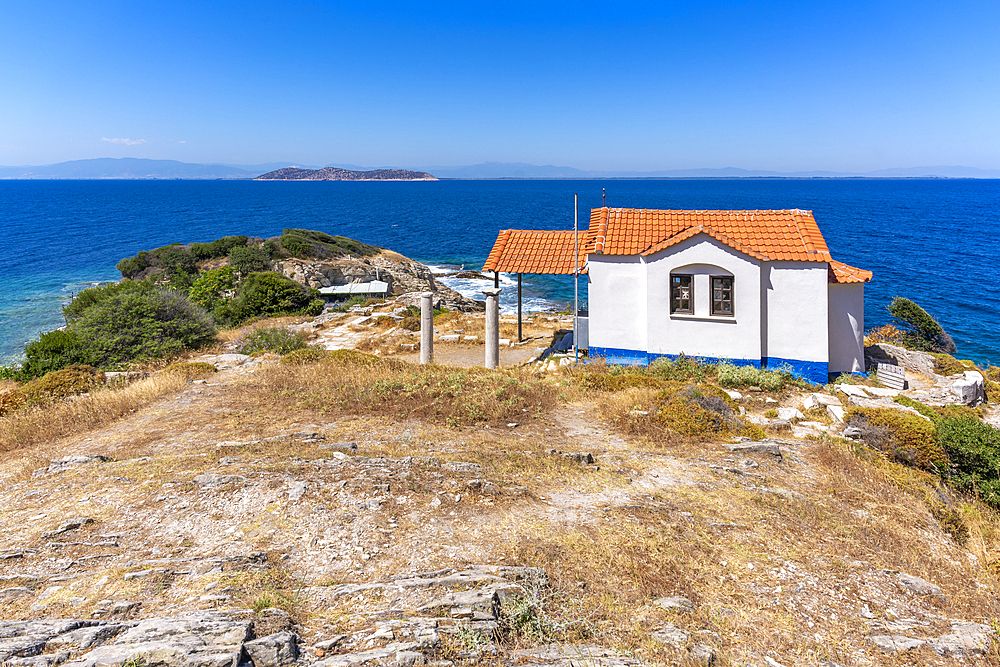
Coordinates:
<point>531,300</point>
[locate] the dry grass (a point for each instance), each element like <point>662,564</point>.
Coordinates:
<point>33,425</point>
<point>354,383</point>
<point>773,563</point>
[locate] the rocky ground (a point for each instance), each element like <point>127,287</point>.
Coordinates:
<point>204,530</point>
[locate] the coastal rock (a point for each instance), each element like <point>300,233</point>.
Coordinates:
<point>911,360</point>
<point>402,275</point>
<point>971,389</point>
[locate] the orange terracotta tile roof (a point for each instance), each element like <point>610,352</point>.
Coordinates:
<point>843,273</point>
<point>530,251</point>
<point>768,235</point>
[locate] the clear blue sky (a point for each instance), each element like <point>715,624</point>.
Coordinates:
<point>845,86</point>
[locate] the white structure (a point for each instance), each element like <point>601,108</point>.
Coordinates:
<point>753,287</point>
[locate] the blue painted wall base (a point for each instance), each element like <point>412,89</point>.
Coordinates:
<point>814,371</point>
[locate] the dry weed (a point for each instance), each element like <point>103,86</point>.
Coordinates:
<point>360,384</point>
<point>33,425</point>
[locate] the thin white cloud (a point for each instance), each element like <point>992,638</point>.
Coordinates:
<point>125,142</point>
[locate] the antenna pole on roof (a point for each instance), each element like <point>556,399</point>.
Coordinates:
<point>604,197</point>
<point>576,280</point>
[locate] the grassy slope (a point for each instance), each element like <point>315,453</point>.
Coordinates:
<point>657,516</point>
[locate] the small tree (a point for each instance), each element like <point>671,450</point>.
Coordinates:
<point>214,287</point>
<point>920,330</point>
<point>249,259</point>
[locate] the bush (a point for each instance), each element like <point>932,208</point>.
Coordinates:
<point>271,339</point>
<point>94,295</point>
<point>214,287</point>
<point>356,300</point>
<point>887,333</point>
<point>314,308</point>
<point>133,266</point>
<point>69,381</point>
<point>218,248</point>
<point>136,325</point>
<point>308,244</point>
<point>52,351</point>
<point>681,369</point>
<point>245,260</point>
<point>730,375</point>
<point>974,451</point>
<point>902,437</point>
<point>920,330</point>
<point>945,364</point>
<point>267,294</point>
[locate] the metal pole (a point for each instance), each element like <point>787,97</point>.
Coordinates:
<point>576,280</point>
<point>492,327</point>
<point>519,336</point>
<point>427,328</point>
<point>496,279</point>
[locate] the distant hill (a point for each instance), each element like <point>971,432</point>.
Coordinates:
<point>337,174</point>
<point>141,168</point>
<point>125,168</point>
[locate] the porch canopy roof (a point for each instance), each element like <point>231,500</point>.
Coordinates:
<point>537,251</point>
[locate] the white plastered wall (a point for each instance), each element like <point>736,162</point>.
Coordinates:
<point>616,299</point>
<point>702,334</point>
<point>847,327</point>
<point>796,325</point>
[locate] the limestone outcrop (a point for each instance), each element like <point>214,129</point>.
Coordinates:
<point>403,275</point>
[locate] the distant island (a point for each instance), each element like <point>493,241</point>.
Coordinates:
<point>337,174</point>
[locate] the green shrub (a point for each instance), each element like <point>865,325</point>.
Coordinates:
<point>974,452</point>
<point>218,248</point>
<point>681,369</point>
<point>267,294</point>
<point>133,266</point>
<point>52,351</point>
<point>314,308</point>
<point>214,287</point>
<point>94,295</point>
<point>136,325</point>
<point>410,323</point>
<point>271,339</point>
<point>308,244</point>
<point>730,375</point>
<point>902,437</point>
<point>920,330</point>
<point>356,300</point>
<point>246,260</point>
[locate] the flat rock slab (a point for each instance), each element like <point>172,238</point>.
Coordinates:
<point>896,643</point>
<point>675,603</point>
<point>917,585</point>
<point>572,655</point>
<point>194,639</point>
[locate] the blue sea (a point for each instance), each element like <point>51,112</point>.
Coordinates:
<point>932,241</point>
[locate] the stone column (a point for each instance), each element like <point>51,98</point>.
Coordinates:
<point>427,328</point>
<point>492,327</point>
